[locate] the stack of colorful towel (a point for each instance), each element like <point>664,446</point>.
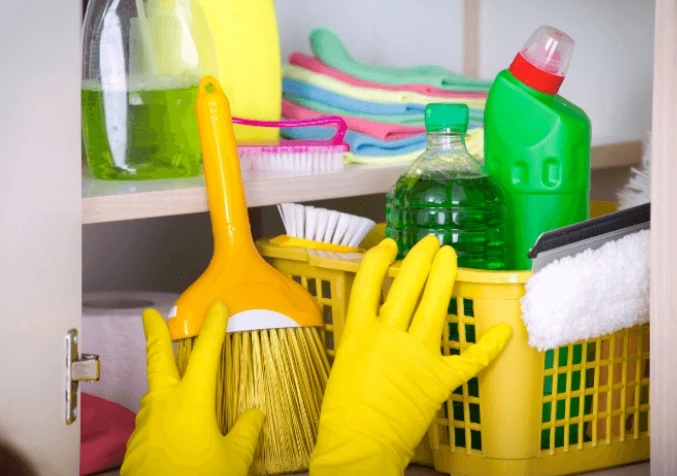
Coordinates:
<point>383,106</point>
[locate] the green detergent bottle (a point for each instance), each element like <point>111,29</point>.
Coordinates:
<point>537,147</point>
<point>446,193</point>
<point>537,144</point>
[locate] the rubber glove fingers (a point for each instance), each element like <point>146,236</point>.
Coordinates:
<point>176,430</point>
<point>408,285</point>
<point>242,440</point>
<point>426,325</point>
<point>206,354</point>
<point>162,371</point>
<point>368,284</point>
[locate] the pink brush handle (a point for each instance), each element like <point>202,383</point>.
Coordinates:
<point>341,126</point>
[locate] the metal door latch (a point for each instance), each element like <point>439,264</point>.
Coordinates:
<point>79,368</point>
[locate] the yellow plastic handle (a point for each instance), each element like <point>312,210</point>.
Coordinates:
<point>227,202</point>
<point>237,275</point>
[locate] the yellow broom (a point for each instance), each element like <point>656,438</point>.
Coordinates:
<point>273,357</point>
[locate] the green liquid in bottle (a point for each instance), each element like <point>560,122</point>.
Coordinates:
<point>138,135</point>
<point>464,212</point>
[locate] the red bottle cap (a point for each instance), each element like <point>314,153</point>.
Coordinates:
<point>543,61</point>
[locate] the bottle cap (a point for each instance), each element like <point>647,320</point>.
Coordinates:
<point>543,62</point>
<point>446,116</point>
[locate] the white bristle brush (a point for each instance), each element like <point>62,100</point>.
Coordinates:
<point>305,157</point>
<point>318,228</point>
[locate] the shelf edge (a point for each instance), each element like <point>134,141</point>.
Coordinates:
<point>351,183</point>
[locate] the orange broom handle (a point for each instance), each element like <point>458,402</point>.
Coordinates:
<point>225,192</point>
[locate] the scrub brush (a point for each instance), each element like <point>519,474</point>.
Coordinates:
<point>590,279</point>
<point>273,358</point>
<point>321,229</point>
<point>297,156</point>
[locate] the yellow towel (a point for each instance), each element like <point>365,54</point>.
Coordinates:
<point>369,94</point>
<point>474,142</point>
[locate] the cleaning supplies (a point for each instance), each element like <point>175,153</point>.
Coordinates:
<point>294,88</point>
<point>329,49</point>
<point>248,56</point>
<point>298,156</point>
<point>474,139</point>
<point>446,193</point>
<point>382,96</point>
<point>590,279</point>
<point>313,64</point>
<point>537,144</point>
<point>142,62</point>
<point>321,229</point>
<point>273,358</point>
<point>360,144</point>
<point>378,130</point>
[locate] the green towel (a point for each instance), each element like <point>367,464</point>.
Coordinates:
<point>329,49</point>
<point>403,119</point>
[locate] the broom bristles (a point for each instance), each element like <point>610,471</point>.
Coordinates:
<point>282,372</point>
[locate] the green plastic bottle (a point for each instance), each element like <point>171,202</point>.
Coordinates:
<point>537,147</point>
<point>537,144</point>
<point>446,193</point>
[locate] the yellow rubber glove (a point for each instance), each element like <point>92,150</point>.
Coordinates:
<point>176,431</point>
<point>389,378</point>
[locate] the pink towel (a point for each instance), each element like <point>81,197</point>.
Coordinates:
<point>313,64</point>
<point>106,427</point>
<point>378,130</point>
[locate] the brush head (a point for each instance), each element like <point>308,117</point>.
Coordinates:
<point>322,229</point>
<point>296,156</point>
<point>283,373</point>
<point>292,157</point>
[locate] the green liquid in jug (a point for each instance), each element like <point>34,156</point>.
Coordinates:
<point>139,135</point>
<point>467,213</point>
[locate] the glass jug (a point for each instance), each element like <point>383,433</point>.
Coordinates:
<point>142,62</point>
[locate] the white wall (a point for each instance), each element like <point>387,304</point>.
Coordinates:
<point>610,75</point>
<point>387,32</point>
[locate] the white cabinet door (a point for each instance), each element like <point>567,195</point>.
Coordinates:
<point>40,226</point>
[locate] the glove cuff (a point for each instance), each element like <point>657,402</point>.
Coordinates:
<point>340,452</point>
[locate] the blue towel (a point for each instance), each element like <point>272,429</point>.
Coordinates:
<point>307,91</point>
<point>360,144</point>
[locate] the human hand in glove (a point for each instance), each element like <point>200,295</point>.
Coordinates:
<point>389,378</point>
<point>176,430</point>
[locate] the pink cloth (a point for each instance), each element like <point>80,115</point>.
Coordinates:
<point>313,64</point>
<point>378,130</point>
<point>105,429</point>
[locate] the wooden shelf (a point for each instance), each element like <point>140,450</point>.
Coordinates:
<point>106,201</point>
<point>612,155</point>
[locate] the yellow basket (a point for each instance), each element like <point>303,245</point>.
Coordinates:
<point>577,408</point>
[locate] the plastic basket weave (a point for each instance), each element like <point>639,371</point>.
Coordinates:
<point>577,408</point>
